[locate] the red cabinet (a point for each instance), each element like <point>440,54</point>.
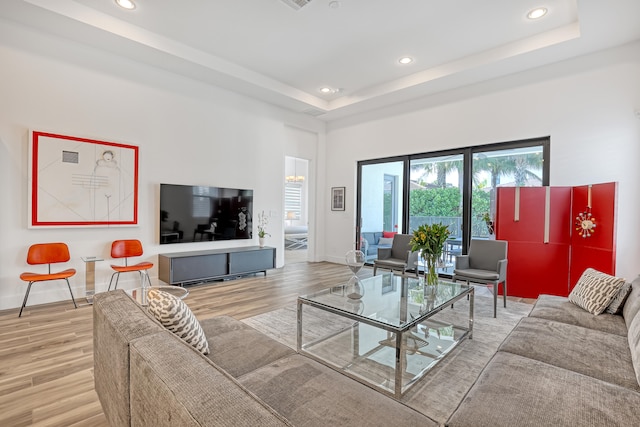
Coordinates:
<point>546,254</point>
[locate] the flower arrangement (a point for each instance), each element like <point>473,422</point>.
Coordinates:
<point>429,239</point>
<point>262,225</point>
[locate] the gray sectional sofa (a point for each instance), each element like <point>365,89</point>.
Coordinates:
<point>561,366</point>
<point>146,376</point>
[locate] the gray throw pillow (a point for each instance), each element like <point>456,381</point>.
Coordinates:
<point>595,290</point>
<point>385,241</point>
<point>617,303</point>
<point>176,316</point>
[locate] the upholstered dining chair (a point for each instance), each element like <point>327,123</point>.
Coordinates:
<point>398,257</point>
<point>47,253</point>
<point>485,263</point>
<point>127,249</point>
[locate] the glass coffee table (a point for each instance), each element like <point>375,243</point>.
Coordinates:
<point>387,339</point>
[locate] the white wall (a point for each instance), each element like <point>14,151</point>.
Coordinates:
<point>188,133</point>
<point>586,105</point>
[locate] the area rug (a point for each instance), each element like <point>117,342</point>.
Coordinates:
<point>440,391</point>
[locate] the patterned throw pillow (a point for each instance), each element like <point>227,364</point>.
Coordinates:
<point>617,303</point>
<point>174,315</point>
<point>595,290</point>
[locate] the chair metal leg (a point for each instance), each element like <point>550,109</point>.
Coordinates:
<point>495,298</point>
<point>72,298</point>
<point>117,274</point>
<point>504,290</point>
<point>26,295</point>
<point>375,268</point>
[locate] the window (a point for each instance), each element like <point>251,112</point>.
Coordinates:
<point>292,201</point>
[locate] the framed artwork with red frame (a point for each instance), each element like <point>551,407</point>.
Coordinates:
<point>76,182</point>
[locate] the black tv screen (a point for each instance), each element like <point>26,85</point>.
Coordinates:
<point>190,213</point>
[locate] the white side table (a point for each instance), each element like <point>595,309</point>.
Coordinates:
<point>90,276</point>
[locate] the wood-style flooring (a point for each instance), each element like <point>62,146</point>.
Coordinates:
<point>46,356</point>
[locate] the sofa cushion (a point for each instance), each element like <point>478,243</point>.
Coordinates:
<point>174,385</point>
<point>616,304</point>
<point>517,391</point>
<point>238,348</point>
<point>372,237</point>
<point>385,241</point>
<point>174,315</point>
<point>578,349</point>
<point>561,310</point>
<point>310,394</point>
<point>595,290</point>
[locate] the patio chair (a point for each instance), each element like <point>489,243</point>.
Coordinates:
<point>398,257</point>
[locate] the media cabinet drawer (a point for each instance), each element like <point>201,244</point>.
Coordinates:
<point>250,261</point>
<point>200,266</point>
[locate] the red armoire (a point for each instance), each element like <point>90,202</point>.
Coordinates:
<point>554,234</point>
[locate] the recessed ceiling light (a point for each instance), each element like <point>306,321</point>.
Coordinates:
<point>326,90</point>
<point>405,60</point>
<point>537,13</point>
<point>126,4</point>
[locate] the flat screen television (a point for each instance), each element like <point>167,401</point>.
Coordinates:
<point>190,213</point>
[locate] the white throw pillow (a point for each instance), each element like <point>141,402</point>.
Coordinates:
<point>595,290</point>
<point>176,316</point>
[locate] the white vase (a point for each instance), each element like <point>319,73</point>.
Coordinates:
<point>261,241</point>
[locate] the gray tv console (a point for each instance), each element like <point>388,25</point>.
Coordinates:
<point>183,268</point>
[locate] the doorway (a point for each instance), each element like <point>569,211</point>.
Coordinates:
<point>296,209</point>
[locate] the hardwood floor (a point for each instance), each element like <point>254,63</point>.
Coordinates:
<point>46,356</point>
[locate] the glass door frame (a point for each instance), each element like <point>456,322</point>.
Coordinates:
<point>467,179</point>
<point>404,195</point>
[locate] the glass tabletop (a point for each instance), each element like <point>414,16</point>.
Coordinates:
<point>394,300</point>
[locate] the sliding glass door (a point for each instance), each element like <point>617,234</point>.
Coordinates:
<point>435,196</point>
<point>380,204</point>
<point>511,167</point>
<point>455,187</point>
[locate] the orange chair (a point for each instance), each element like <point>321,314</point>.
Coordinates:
<point>47,253</point>
<point>125,249</point>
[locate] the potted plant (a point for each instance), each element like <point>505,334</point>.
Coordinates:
<point>262,228</point>
<point>430,241</point>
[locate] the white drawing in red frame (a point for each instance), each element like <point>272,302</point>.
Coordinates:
<point>81,182</point>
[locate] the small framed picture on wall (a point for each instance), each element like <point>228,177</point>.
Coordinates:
<point>337,198</point>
